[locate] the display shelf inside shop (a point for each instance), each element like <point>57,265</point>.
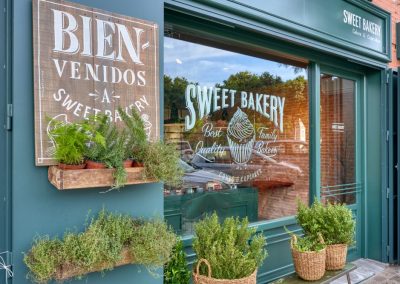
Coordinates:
<point>92,178</point>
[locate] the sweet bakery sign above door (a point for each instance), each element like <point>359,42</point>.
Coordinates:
<point>88,61</point>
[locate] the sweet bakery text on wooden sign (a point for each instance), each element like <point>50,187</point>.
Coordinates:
<point>88,61</point>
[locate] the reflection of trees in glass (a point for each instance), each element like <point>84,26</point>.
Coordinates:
<point>294,91</point>
<point>247,81</point>
<point>174,95</point>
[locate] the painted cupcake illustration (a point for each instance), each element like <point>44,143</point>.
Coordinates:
<point>240,137</point>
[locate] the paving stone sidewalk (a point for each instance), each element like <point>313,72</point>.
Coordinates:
<point>371,272</point>
<point>390,275</point>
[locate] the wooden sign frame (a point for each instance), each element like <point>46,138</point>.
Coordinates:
<point>88,61</point>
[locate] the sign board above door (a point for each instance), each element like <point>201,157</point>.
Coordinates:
<point>354,25</point>
<point>88,61</point>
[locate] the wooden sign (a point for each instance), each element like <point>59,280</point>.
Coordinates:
<point>88,61</point>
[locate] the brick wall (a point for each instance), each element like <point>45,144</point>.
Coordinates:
<point>392,6</point>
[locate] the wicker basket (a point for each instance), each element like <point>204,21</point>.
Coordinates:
<point>336,256</point>
<point>308,265</point>
<point>202,279</point>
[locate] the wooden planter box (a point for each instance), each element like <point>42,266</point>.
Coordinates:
<point>90,178</point>
<point>68,271</point>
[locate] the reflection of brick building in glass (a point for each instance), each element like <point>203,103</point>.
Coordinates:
<point>292,145</point>
<point>338,139</point>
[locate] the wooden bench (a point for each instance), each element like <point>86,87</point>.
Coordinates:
<point>328,277</point>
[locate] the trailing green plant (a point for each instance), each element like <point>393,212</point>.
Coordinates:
<point>70,141</point>
<point>162,162</point>
<point>149,242</point>
<point>176,270</point>
<point>233,249</point>
<point>334,221</point>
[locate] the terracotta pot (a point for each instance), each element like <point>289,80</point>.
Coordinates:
<point>71,167</point>
<point>138,164</point>
<point>127,163</point>
<point>95,165</point>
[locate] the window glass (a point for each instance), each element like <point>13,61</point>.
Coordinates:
<point>338,179</point>
<point>241,125</point>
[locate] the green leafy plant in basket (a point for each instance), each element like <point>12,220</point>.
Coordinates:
<point>176,270</point>
<point>335,223</point>
<point>308,244</point>
<point>309,256</point>
<point>232,249</point>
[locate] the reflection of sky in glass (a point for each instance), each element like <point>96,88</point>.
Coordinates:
<point>207,65</point>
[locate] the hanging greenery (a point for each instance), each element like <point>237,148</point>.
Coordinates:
<point>109,240</point>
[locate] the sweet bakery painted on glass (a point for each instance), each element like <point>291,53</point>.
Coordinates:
<point>255,121</point>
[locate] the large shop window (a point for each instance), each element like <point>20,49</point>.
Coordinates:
<point>241,124</point>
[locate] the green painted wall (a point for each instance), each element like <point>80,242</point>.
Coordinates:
<point>37,207</point>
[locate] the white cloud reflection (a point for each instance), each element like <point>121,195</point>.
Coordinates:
<point>208,65</point>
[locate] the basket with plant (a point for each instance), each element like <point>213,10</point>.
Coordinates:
<point>227,253</point>
<point>335,223</point>
<point>309,256</point>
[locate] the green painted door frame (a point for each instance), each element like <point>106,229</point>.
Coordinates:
<point>315,150</point>
<point>358,250</point>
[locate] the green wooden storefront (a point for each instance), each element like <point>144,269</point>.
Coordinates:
<point>310,29</point>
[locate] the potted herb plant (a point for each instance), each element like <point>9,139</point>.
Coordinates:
<point>95,153</point>
<point>227,253</point>
<point>309,256</point>
<point>70,142</point>
<point>137,142</point>
<point>112,153</point>
<point>335,223</point>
